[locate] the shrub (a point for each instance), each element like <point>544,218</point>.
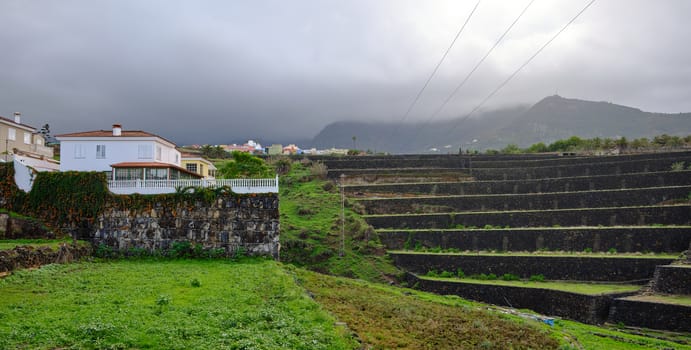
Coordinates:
<point>509,277</point>
<point>537,278</point>
<point>460,273</point>
<point>195,283</point>
<point>446,274</point>
<point>432,273</point>
<point>181,250</point>
<point>612,251</point>
<point>678,166</point>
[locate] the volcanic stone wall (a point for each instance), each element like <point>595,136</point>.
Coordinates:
<point>651,315</point>
<point>673,279</point>
<point>622,239</point>
<point>564,200</point>
<point>573,268</point>
<point>568,184</point>
<point>667,215</point>
<point>228,223</point>
<point>592,309</point>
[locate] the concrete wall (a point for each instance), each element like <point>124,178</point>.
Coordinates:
<point>623,239</point>
<point>651,315</point>
<point>563,200</point>
<point>668,215</point>
<point>229,223</point>
<point>592,309</point>
<point>573,268</point>
<point>566,184</point>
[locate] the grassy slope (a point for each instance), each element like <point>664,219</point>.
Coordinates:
<point>573,287</point>
<point>154,304</point>
<point>311,230</point>
<point>50,243</point>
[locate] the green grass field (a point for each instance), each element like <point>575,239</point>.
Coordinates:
<point>173,304</point>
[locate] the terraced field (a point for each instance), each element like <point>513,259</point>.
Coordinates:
<point>605,233</point>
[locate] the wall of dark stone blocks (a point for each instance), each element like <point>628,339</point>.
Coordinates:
<point>673,279</point>
<point>665,215</point>
<point>591,309</point>
<point>573,268</point>
<point>568,184</point>
<point>585,169</point>
<point>625,239</point>
<point>651,315</point>
<point>541,201</point>
<point>228,223</point>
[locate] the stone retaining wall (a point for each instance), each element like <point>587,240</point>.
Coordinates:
<point>625,239</point>
<point>228,223</point>
<point>566,184</point>
<point>572,268</point>
<point>673,279</point>
<point>651,315</point>
<point>536,201</point>
<point>630,216</point>
<point>27,256</point>
<point>591,309</point>
<point>22,228</point>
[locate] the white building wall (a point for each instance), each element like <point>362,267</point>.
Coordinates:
<point>118,150</point>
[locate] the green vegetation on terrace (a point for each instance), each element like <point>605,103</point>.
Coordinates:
<point>311,227</point>
<point>551,228</point>
<point>173,304</point>
<point>573,287</point>
<point>6,244</point>
<point>668,299</point>
<point>545,253</point>
<point>577,144</point>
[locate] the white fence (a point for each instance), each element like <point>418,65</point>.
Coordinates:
<point>169,186</point>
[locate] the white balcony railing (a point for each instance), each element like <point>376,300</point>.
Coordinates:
<point>169,186</point>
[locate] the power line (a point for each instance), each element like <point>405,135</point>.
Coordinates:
<point>507,80</point>
<point>443,57</point>
<point>436,68</point>
<point>471,72</point>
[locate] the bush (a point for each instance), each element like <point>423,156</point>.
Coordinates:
<point>537,278</point>
<point>460,273</point>
<point>446,274</point>
<point>509,277</point>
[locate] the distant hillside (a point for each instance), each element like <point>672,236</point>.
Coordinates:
<point>552,118</point>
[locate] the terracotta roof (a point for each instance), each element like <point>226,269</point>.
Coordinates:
<point>109,133</point>
<point>152,165</point>
<point>20,124</point>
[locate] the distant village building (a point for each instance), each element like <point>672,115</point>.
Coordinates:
<point>250,147</point>
<point>122,155</point>
<point>291,149</point>
<point>275,149</point>
<point>17,137</point>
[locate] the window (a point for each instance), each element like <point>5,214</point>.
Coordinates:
<point>27,138</point>
<point>156,174</point>
<point>100,151</point>
<point>145,152</point>
<point>158,152</point>
<point>11,134</point>
<point>129,173</point>
<point>79,151</point>
<point>191,167</point>
<point>39,141</point>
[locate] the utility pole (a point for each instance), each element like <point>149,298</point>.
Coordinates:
<point>342,215</point>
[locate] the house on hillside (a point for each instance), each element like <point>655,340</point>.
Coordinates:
<point>17,137</point>
<point>123,155</point>
<point>197,164</point>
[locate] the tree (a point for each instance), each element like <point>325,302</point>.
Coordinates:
<point>243,165</point>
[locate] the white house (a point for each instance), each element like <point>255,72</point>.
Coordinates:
<point>122,154</point>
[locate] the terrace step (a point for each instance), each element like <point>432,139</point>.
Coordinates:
<point>531,201</point>
<point>584,169</point>
<point>564,184</point>
<point>489,162</point>
<point>570,267</point>
<point>576,239</point>
<point>679,215</point>
<point>651,311</point>
<point>672,279</point>
<point>396,175</point>
<point>591,308</point>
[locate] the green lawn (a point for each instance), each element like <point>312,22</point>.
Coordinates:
<point>580,288</point>
<point>51,243</point>
<point>173,304</point>
<point>669,299</point>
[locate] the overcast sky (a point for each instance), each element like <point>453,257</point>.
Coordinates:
<point>225,71</point>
